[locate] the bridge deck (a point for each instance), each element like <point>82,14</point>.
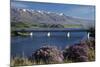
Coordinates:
<point>53,30</point>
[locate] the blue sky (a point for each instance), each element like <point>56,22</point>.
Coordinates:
<point>79,11</point>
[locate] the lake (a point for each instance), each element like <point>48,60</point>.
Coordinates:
<point>28,44</point>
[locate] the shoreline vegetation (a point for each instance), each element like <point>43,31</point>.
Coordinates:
<point>28,25</point>
<point>79,52</point>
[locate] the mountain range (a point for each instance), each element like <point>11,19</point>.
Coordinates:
<point>40,16</point>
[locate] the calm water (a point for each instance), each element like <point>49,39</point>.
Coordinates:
<point>27,45</point>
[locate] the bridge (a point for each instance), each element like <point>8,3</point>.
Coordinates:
<point>68,31</point>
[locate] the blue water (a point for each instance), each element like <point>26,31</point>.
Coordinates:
<point>27,45</point>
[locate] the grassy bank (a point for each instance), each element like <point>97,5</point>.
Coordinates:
<point>34,25</point>
<point>72,26</point>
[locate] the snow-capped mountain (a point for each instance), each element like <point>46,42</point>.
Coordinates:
<point>38,16</point>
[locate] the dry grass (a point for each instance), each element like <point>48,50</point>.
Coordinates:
<point>17,61</point>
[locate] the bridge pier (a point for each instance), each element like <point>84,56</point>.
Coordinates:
<point>48,34</point>
<point>68,34</point>
<point>88,35</point>
<point>31,34</point>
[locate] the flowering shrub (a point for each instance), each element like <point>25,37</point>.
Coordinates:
<point>48,54</point>
<point>76,53</point>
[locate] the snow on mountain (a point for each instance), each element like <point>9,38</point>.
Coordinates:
<point>61,14</point>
